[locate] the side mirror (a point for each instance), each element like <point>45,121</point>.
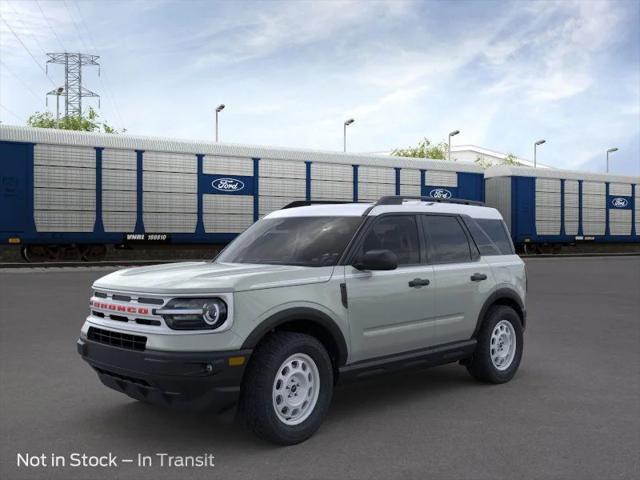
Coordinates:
<point>377,260</point>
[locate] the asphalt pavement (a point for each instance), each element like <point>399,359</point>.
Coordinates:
<point>571,412</point>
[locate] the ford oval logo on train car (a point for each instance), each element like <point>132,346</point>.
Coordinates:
<point>440,193</point>
<point>619,202</point>
<point>227,184</point>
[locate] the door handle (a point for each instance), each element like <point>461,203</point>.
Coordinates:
<point>478,277</point>
<point>418,282</point>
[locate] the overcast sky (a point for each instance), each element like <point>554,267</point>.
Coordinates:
<point>504,73</point>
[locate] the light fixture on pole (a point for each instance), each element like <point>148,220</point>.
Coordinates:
<point>611,150</point>
<point>218,110</point>
<point>58,93</point>
<point>451,134</point>
<point>535,151</point>
<point>346,124</point>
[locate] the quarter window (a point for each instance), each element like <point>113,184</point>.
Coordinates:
<point>447,240</point>
<point>398,234</point>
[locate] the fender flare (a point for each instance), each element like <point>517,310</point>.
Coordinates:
<point>501,294</point>
<point>312,315</point>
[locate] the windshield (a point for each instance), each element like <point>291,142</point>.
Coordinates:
<point>306,241</point>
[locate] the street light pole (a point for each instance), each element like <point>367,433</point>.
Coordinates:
<point>218,110</point>
<point>58,93</point>
<point>611,150</point>
<point>344,137</point>
<point>451,134</point>
<point>535,151</point>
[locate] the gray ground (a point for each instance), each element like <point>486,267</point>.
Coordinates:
<point>573,410</point>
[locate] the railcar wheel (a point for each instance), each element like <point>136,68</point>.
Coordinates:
<point>41,253</point>
<point>93,253</point>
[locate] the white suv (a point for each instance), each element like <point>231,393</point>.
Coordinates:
<point>308,296</point>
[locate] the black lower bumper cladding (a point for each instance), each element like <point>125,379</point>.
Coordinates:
<point>191,380</point>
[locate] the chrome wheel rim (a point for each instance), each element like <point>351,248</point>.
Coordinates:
<point>503,345</point>
<point>295,389</point>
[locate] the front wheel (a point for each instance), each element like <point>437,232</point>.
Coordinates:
<point>287,388</point>
<point>499,349</point>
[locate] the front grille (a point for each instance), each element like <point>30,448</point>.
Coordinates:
<point>117,339</point>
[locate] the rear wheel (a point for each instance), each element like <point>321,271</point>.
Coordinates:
<point>287,388</point>
<point>499,349</point>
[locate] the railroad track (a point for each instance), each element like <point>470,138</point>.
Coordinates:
<point>141,263</point>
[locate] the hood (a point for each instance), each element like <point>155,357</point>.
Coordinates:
<point>207,277</point>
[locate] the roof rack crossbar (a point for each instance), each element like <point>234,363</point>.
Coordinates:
<point>398,199</point>
<point>307,203</point>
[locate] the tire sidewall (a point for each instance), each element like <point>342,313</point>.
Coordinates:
<point>266,374</point>
<point>496,315</point>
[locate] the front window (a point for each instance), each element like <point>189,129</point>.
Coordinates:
<point>305,241</point>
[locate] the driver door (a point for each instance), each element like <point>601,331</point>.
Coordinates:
<point>388,311</point>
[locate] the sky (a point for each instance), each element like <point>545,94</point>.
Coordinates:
<point>290,73</point>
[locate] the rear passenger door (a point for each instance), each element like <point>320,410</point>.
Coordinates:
<point>390,311</point>
<point>462,280</point>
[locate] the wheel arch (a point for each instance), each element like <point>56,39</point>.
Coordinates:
<point>304,320</point>
<point>502,296</point>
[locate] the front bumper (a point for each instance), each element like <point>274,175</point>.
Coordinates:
<point>193,380</point>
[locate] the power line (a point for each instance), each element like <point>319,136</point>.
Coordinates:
<point>24,84</point>
<point>28,51</point>
<point>9,111</point>
<point>26,30</point>
<point>105,83</point>
<point>75,25</point>
<point>50,27</point>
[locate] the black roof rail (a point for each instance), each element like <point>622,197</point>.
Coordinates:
<point>307,203</point>
<point>398,199</point>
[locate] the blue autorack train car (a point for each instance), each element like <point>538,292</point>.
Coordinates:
<point>550,208</point>
<point>78,191</point>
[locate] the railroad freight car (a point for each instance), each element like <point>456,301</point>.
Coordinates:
<point>548,208</point>
<point>78,191</point>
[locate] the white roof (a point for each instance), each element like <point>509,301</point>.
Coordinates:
<point>130,142</point>
<point>358,209</point>
<point>510,171</point>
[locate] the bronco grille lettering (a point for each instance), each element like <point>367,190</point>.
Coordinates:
<point>119,308</point>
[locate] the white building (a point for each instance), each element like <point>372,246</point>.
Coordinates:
<point>470,153</point>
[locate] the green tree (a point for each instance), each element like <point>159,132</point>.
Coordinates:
<point>88,123</point>
<point>510,159</point>
<point>424,149</point>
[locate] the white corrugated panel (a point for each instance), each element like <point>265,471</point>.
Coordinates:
<point>571,228</point>
<point>333,172</point>
<point>321,190</point>
<point>281,169</point>
<point>439,178</point>
<point>219,204</point>
<point>412,190</point>
<point>593,228</point>
<point>63,199</point>
<point>373,191</point>
<point>594,188</point>
<point>283,187</point>
<point>594,201</point>
<point>117,201</point>
<point>376,175</point>
<point>547,185</point>
<point>269,204</point>
<point>571,200</point>
<point>547,227</point>
<point>169,182</point>
<point>64,221</point>
<point>119,221</point>
<point>169,162</point>
<point>119,180</point>
<point>571,186</point>
<point>409,176</point>
<point>160,202</point>
<point>119,159</point>
<point>226,223</point>
<point>623,189</point>
<point>170,222</point>
<point>64,177</point>
<point>217,165</point>
<point>64,156</point>
<point>619,222</point>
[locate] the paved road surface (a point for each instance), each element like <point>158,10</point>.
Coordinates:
<point>573,410</point>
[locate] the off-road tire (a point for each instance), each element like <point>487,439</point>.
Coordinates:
<point>480,365</point>
<point>256,402</point>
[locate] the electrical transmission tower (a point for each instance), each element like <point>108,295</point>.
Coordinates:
<point>73,90</point>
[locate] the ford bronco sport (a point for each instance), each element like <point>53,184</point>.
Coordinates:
<point>309,296</point>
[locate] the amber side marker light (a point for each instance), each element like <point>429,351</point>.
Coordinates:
<point>236,361</point>
<point>14,240</point>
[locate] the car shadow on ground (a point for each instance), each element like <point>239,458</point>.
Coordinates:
<point>351,403</point>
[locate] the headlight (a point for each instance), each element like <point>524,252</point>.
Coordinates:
<point>194,313</point>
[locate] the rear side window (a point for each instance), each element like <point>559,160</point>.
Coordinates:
<point>446,239</point>
<point>397,233</point>
<point>497,232</point>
